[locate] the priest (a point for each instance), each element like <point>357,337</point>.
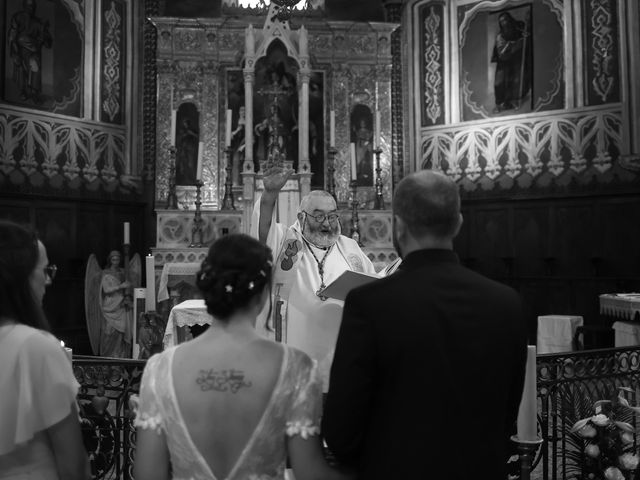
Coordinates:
<point>309,255</point>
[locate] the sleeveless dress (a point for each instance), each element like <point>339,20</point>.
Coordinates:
<point>294,408</point>
<point>38,390</point>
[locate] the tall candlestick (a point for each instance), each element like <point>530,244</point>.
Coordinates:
<point>527,414</point>
<point>172,133</point>
<point>227,133</point>
<point>376,138</point>
<point>376,99</point>
<point>304,42</point>
<point>332,128</point>
<point>126,233</point>
<point>199,166</point>
<point>150,297</point>
<point>354,171</point>
<point>250,41</point>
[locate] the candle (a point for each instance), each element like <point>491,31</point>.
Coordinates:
<point>126,233</point>
<point>527,414</point>
<point>199,167</point>
<point>376,99</point>
<point>376,138</point>
<point>172,133</point>
<point>150,297</point>
<point>227,136</point>
<point>354,171</point>
<point>332,128</point>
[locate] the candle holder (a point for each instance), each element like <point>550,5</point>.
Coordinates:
<point>379,203</point>
<point>526,451</point>
<point>198,221</point>
<point>355,228</point>
<point>331,168</point>
<point>227,200</point>
<point>172,199</point>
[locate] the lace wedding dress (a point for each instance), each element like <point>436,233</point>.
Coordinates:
<point>294,409</point>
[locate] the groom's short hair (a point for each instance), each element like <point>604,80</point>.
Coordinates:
<point>429,203</point>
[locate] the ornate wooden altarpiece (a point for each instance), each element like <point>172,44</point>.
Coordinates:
<point>212,65</point>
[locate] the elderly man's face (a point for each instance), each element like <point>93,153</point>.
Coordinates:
<point>323,233</point>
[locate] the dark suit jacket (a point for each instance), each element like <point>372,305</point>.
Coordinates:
<point>428,373</point>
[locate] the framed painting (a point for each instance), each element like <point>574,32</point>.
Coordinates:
<point>511,58</point>
<point>42,54</point>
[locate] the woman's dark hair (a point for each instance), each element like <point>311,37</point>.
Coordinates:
<point>18,258</point>
<point>237,268</point>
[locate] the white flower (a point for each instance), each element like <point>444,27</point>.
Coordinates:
<point>587,431</point>
<point>601,420</point>
<point>592,450</point>
<point>613,473</point>
<point>626,438</point>
<point>628,461</point>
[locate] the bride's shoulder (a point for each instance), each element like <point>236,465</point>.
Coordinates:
<point>299,358</point>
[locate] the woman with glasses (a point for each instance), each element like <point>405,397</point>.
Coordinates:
<point>39,430</point>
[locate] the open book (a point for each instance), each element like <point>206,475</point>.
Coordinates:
<point>339,288</point>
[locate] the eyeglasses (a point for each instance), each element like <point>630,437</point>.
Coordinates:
<point>50,270</point>
<point>320,218</point>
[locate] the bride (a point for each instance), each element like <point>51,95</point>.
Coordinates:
<point>231,404</point>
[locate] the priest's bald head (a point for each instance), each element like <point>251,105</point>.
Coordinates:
<point>426,212</point>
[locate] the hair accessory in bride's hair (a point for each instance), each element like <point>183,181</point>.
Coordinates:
<point>228,288</point>
<point>251,285</point>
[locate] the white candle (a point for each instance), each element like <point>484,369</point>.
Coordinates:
<point>354,171</point>
<point>199,167</point>
<point>376,138</point>
<point>172,133</point>
<point>150,297</point>
<point>126,233</point>
<point>250,41</point>
<point>304,42</point>
<point>332,128</point>
<point>527,414</point>
<point>227,136</point>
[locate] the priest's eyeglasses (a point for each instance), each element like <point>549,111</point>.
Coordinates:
<point>321,217</point>
<point>50,271</point>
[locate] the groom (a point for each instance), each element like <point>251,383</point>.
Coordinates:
<point>429,362</point>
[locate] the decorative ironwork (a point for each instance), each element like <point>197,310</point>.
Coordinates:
<point>227,200</point>
<point>196,230</point>
<point>107,424</point>
<point>331,169</point>
<point>568,385</point>
<point>355,226</point>
<point>379,203</point>
<point>172,199</point>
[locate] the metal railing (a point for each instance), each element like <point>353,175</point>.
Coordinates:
<point>568,384</point>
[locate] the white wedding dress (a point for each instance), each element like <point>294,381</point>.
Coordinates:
<point>294,409</point>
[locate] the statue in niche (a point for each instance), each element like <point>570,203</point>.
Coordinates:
<point>187,139</point>
<point>276,106</point>
<point>362,137</point>
<point>237,146</point>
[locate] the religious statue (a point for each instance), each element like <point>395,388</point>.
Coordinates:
<point>187,154</point>
<point>364,154</point>
<point>150,335</point>
<point>512,56</point>
<point>28,35</point>
<point>109,305</point>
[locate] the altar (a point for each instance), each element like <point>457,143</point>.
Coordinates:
<point>181,318</point>
<point>622,305</point>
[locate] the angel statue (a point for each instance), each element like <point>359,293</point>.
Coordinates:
<point>108,304</point>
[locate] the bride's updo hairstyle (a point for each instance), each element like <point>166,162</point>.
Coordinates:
<point>237,269</point>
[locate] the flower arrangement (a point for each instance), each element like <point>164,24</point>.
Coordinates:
<point>610,449</point>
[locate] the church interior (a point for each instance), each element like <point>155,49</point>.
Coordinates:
<point>145,127</point>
